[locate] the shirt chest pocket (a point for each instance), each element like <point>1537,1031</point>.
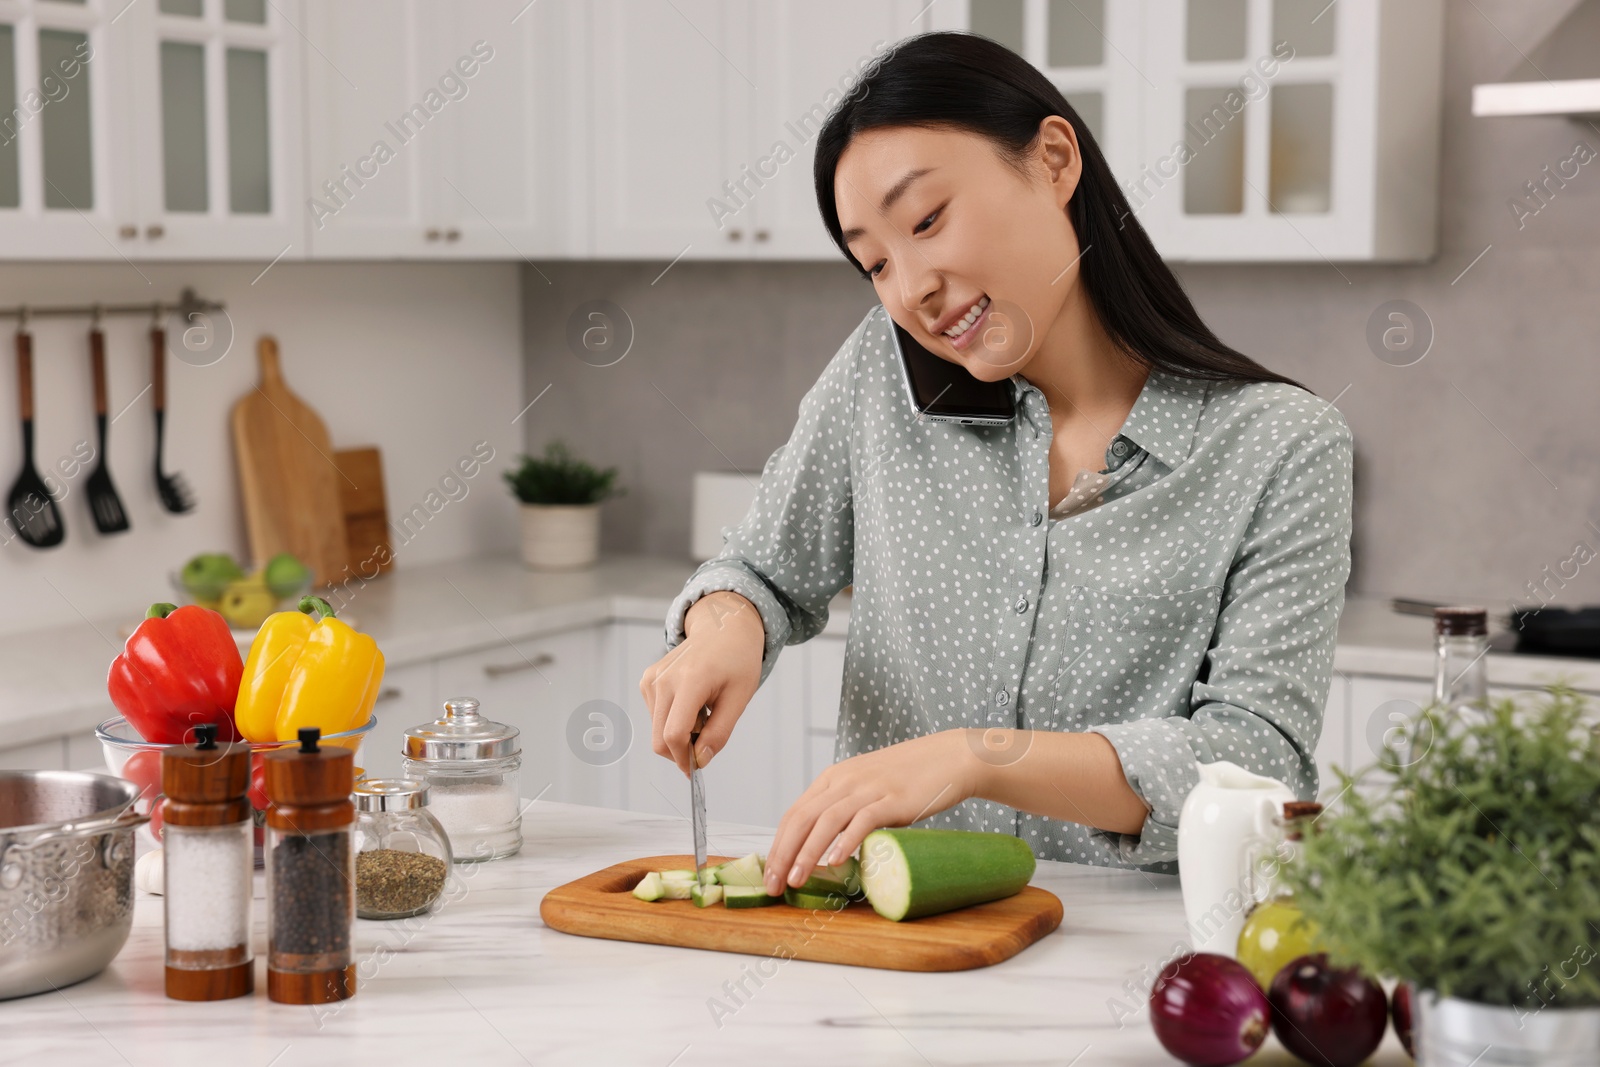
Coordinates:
<point>1129,656</point>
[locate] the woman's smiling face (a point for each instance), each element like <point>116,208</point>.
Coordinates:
<point>970,256</point>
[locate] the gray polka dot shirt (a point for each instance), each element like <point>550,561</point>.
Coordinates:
<point>1188,616</point>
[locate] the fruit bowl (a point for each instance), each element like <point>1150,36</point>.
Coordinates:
<point>130,757</point>
<point>254,619</point>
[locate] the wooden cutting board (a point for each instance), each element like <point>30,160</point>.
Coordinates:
<point>366,511</point>
<point>287,475</point>
<point>602,904</point>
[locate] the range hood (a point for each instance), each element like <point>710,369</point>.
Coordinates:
<point>1559,77</point>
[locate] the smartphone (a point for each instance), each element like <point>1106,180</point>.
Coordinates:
<point>944,392</point>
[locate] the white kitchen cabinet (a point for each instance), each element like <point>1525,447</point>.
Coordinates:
<point>444,130</point>
<point>40,756</point>
<point>407,698</point>
<point>1251,130</point>
<point>537,685</point>
<point>1333,747</point>
<point>83,751</point>
<point>65,135</point>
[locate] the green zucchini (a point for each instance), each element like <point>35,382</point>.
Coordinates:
<point>703,896</point>
<point>911,873</point>
<point>683,875</point>
<point>745,871</point>
<point>843,877</point>
<point>747,896</point>
<point>649,887</point>
<point>823,901</point>
<point>676,888</point>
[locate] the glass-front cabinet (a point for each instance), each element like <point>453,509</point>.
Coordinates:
<point>141,130</point>
<point>1250,130</point>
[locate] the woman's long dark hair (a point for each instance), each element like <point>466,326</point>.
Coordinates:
<point>968,82</point>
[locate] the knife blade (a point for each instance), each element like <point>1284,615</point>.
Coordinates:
<point>697,798</point>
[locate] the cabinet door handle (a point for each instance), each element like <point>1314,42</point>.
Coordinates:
<point>735,235</point>
<point>127,233</point>
<point>431,234</point>
<point>762,235</point>
<point>452,235</point>
<point>388,692</point>
<point>155,231</point>
<point>495,670</point>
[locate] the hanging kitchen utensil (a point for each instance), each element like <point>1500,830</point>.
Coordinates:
<point>30,510</point>
<point>287,475</point>
<point>104,503</point>
<point>174,491</point>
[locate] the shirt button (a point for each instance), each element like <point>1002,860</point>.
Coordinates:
<point>1036,519</point>
<point>1002,697</point>
<point>1119,448</point>
<point>1022,605</point>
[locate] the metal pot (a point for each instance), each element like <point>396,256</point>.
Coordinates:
<point>66,876</point>
<point>1459,1033</point>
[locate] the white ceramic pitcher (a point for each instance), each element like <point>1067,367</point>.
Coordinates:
<point>1227,816</point>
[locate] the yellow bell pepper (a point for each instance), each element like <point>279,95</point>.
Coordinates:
<point>307,668</point>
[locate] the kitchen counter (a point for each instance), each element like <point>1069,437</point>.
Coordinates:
<point>484,981</point>
<point>54,679</point>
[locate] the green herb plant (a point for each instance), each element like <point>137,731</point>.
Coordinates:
<point>559,477</point>
<point>1475,870</point>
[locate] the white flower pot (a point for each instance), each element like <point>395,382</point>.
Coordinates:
<point>557,537</point>
<point>1458,1033</point>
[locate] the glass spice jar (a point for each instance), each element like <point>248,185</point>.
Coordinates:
<point>207,860</point>
<point>310,873</point>
<point>402,853</point>
<point>470,764</point>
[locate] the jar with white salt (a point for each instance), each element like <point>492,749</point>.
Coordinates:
<point>208,857</point>
<point>470,764</point>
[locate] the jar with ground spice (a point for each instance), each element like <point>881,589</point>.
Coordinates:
<point>402,853</point>
<point>207,859</point>
<point>310,873</point>
<point>470,764</point>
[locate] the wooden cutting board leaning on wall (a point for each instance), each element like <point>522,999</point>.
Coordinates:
<point>287,475</point>
<point>366,511</point>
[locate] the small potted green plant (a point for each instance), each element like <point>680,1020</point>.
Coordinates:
<point>1470,868</point>
<point>560,497</point>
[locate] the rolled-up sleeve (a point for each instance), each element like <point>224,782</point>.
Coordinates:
<point>793,551</point>
<point>1260,701</point>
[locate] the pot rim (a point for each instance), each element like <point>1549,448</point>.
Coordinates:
<point>112,818</point>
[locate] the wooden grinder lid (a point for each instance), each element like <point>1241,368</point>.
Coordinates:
<point>206,782</point>
<point>311,775</point>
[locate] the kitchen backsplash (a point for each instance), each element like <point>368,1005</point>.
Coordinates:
<point>422,360</point>
<point>1476,465</point>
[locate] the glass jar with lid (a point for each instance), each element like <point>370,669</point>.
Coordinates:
<point>402,852</point>
<point>470,764</point>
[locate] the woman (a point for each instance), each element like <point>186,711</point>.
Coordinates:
<point>1053,620</point>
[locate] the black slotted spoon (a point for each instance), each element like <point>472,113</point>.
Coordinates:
<point>174,491</point>
<point>30,510</point>
<point>104,503</point>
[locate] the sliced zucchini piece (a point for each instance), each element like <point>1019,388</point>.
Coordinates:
<point>704,896</point>
<point>649,887</point>
<point>747,896</point>
<point>908,873</point>
<point>677,876</point>
<point>823,901</point>
<point>676,889</point>
<point>843,877</point>
<point>744,871</point>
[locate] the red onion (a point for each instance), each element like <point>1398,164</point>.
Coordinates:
<point>1327,1016</point>
<point>1208,1011</point>
<point>1400,1012</point>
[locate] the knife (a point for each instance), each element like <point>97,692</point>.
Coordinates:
<point>697,799</point>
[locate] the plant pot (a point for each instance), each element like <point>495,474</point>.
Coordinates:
<point>558,537</point>
<point>1459,1033</point>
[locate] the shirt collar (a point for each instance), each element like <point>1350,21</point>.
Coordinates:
<point>1163,419</point>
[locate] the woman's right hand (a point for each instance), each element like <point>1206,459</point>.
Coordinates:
<point>716,665</point>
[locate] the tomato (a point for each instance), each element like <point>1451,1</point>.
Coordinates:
<point>258,781</point>
<point>143,769</point>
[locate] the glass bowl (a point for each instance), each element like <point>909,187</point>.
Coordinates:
<point>130,757</point>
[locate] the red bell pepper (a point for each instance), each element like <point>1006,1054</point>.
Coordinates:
<point>180,668</point>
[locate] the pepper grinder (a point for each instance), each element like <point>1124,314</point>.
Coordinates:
<point>310,872</point>
<point>208,858</point>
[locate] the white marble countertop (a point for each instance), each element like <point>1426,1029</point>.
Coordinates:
<point>482,980</point>
<point>52,681</point>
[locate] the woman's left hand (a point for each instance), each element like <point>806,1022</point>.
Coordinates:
<point>892,786</point>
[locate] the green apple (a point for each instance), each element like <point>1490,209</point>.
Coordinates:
<point>285,575</point>
<point>206,576</point>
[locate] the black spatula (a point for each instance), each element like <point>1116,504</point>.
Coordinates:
<point>104,503</point>
<point>174,491</point>
<point>30,510</point>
